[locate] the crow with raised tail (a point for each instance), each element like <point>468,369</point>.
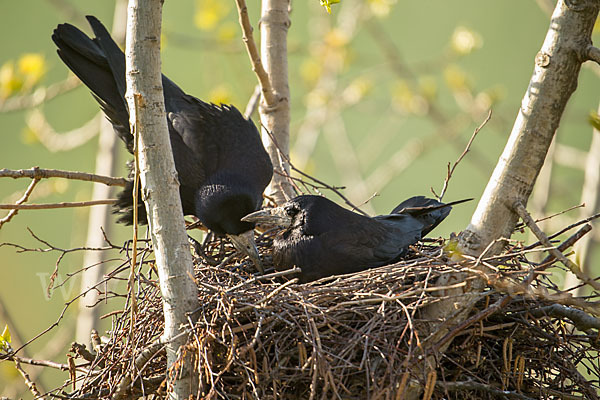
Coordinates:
<point>324,239</point>
<point>221,163</point>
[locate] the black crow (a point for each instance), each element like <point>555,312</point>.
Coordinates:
<point>221,163</point>
<point>325,239</point>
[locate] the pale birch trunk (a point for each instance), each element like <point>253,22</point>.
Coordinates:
<point>160,185</point>
<point>275,117</point>
<point>567,45</point>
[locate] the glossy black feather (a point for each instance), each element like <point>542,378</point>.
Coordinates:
<point>325,239</point>
<point>222,165</point>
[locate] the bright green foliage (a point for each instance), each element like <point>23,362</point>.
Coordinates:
<point>5,339</point>
<point>327,4</point>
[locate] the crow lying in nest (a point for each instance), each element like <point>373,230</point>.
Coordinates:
<point>325,239</point>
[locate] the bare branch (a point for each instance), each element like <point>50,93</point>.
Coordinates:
<point>593,54</point>
<point>568,228</point>
<point>571,240</point>
<point>29,382</point>
<point>252,103</point>
<point>325,185</point>
<point>39,96</point>
<point>146,355</point>
<point>39,173</point>
<point>580,319</point>
<point>464,153</point>
<point>22,200</point>
<point>56,205</point>
<point>574,268</point>
<point>257,66</point>
<point>38,363</point>
<point>486,388</point>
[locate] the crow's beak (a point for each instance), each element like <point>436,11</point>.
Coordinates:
<point>244,242</point>
<point>270,216</point>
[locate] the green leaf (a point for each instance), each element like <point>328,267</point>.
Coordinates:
<point>5,338</point>
<point>327,4</point>
<point>594,120</point>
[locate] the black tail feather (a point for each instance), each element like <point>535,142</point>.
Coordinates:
<point>103,76</point>
<point>124,206</point>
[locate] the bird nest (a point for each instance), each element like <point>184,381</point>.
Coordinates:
<point>369,335</point>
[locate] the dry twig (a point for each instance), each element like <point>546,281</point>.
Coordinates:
<point>257,66</point>
<point>463,154</point>
<point>22,200</point>
<point>39,173</point>
<point>574,268</point>
<point>56,205</point>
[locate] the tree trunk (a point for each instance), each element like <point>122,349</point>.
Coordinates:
<point>557,65</point>
<point>160,185</point>
<point>275,118</point>
<point>567,45</point>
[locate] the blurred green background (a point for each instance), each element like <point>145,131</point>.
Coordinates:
<point>384,95</point>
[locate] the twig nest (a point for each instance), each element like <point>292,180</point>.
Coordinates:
<point>366,335</point>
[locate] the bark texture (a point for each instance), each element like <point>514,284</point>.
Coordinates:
<point>160,185</point>
<point>554,79</point>
<point>275,116</point>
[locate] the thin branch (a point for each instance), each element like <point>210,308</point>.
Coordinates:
<point>464,153</point>
<point>257,66</point>
<point>39,96</point>
<point>580,319</point>
<point>56,205</point>
<point>521,225</point>
<point>593,54</point>
<point>568,228</point>
<point>30,383</point>
<point>574,268</point>
<point>498,305</point>
<point>38,363</point>
<point>39,173</point>
<point>22,200</point>
<point>252,102</point>
<point>487,388</point>
<point>332,188</point>
<point>571,240</point>
<point>146,355</point>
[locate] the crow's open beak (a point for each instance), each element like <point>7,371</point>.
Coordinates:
<point>244,242</point>
<point>270,216</point>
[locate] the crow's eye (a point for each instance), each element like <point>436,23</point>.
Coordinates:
<point>291,211</point>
